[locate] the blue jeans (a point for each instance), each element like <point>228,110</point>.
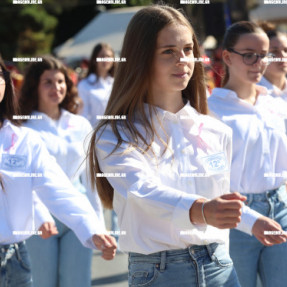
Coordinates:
<point>197,266</point>
<point>61,260</point>
<point>15,270</point>
<point>115,225</point>
<point>250,256</point>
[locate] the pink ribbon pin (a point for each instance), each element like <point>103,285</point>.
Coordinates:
<point>12,143</point>
<point>201,143</point>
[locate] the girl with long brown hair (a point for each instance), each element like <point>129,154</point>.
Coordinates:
<point>165,169</point>
<point>96,87</point>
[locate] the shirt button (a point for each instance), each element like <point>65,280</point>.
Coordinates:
<point>192,251</point>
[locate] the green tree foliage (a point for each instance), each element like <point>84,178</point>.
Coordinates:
<point>37,35</point>
<point>26,30</point>
<point>29,30</point>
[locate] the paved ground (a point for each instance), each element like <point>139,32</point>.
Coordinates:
<point>110,273</point>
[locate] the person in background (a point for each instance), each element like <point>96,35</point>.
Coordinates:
<point>95,89</point>
<point>258,168</point>
<point>274,78</point>
<point>49,94</point>
<point>26,165</point>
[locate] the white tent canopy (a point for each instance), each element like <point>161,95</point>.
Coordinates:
<point>109,27</point>
<point>268,12</point>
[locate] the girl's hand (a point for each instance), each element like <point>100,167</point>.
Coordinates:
<point>221,212</point>
<point>266,224</point>
<point>48,229</point>
<point>107,244</point>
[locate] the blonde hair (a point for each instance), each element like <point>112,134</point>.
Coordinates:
<point>130,89</point>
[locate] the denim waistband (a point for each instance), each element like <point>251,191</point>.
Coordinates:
<point>5,247</point>
<point>168,256</point>
<point>7,251</point>
<point>267,195</point>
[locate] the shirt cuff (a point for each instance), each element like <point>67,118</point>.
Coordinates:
<point>86,229</point>
<point>90,243</point>
<point>181,213</point>
<point>42,218</point>
<point>248,218</point>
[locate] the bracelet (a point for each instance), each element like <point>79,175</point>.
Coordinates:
<point>202,211</point>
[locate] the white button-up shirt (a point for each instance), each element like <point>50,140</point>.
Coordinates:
<point>65,139</point>
<point>259,141</point>
<point>26,165</point>
<point>273,90</point>
<point>153,200</point>
<point>280,96</point>
<point>95,95</point>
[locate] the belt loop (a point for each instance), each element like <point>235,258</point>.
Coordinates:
<point>249,198</point>
<point>211,249</point>
<point>162,260</point>
<point>17,251</point>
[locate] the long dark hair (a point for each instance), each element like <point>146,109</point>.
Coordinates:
<point>29,97</point>
<point>270,29</point>
<point>132,80</point>
<point>93,69</point>
<point>231,37</point>
<point>9,106</point>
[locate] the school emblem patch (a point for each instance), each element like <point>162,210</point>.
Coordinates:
<point>215,163</point>
<point>13,162</point>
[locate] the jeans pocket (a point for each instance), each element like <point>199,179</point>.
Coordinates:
<point>142,274</point>
<point>23,258</point>
<point>221,256</point>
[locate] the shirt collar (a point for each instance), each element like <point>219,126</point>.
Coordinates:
<point>93,77</point>
<point>272,89</point>
<point>264,82</point>
<point>9,126</point>
<point>229,94</point>
<point>64,117</point>
<point>12,132</point>
<point>186,113</point>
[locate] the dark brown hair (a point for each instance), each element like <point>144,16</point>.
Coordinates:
<point>231,37</point>
<point>270,29</point>
<point>132,81</point>
<point>29,93</point>
<point>93,68</point>
<point>9,105</point>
